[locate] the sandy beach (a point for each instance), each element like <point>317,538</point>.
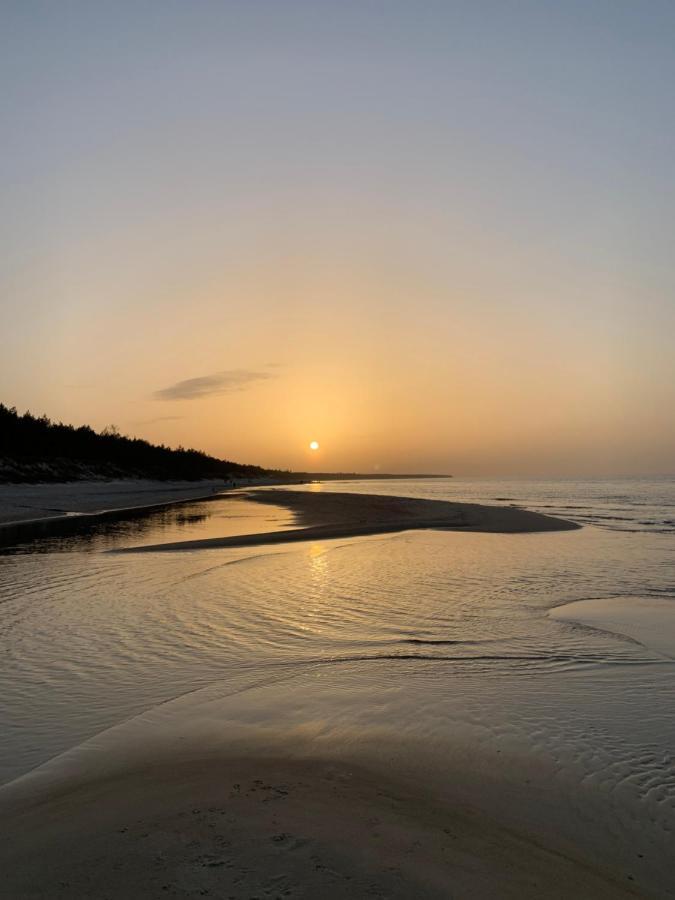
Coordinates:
<point>42,510</point>
<point>23,503</point>
<point>338,515</point>
<point>277,828</point>
<point>379,718</point>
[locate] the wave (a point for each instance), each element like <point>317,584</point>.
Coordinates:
<point>482,658</point>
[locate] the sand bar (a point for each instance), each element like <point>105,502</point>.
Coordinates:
<point>648,620</point>
<point>324,515</point>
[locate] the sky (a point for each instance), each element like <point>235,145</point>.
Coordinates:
<point>431,236</point>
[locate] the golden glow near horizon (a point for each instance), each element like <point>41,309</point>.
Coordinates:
<point>438,287</point>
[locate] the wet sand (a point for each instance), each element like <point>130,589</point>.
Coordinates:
<point>649,621</point>
<point>328,515</point>
<point>177,822</point>
<point>43,510</point>
<point>277,828</point>
<point>43,502</point>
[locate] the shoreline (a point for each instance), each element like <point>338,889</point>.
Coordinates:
<point>32,511</point>
<point>29,511</point>
<point>331,515</point>
<point>197,797</point>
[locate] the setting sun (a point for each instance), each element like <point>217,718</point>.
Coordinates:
<point>440,241</point>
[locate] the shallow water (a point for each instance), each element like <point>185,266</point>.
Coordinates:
<point>635,504</point>
<point>434,645</point>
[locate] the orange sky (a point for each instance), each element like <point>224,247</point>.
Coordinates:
<point>430,243</point>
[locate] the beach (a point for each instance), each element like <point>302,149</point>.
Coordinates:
<point>438,710</point>
<point>233,827</point>
<point>337,451</point>
<point>33,502</point>
<point>327,516</point>
<point>39,510</point>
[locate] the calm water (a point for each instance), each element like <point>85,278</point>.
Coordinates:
<point>423,644</point>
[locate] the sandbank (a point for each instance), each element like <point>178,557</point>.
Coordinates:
<point>325,515</point>
<point>648,620</point>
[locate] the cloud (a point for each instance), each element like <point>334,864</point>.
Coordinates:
<point>219,383</point>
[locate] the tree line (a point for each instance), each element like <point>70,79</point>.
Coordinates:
<point>31,445</point>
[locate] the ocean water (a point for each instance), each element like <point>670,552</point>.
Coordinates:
<point>432,652</point>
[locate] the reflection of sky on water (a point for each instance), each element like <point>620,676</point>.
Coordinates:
<point>435,647</point>
<point>230,515</point>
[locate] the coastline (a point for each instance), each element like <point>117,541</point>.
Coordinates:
<point>61,508</point>
<point>321,782</point>
<point>324,516</point>
<point>50,509</point>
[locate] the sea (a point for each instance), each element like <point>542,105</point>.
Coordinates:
<point>442,656</point>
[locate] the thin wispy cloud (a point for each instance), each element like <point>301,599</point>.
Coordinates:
<point>207,385</point>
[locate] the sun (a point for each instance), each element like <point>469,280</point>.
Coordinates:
<point>313,445</point>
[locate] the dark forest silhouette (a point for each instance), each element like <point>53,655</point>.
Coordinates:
<point>33,448</point>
